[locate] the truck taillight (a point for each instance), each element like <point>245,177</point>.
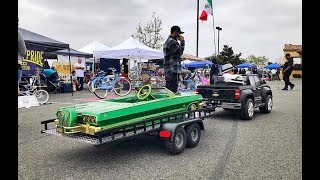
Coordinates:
<point>197,91</point>
<point>237,94</point>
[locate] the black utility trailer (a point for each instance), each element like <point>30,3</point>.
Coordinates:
<point>178,130</point>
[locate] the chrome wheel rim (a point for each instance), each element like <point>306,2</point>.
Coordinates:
<point>194,134</point>
<point>41,96</point>
<point>270,104</point>
<point>250,109</point>
<point>178,140</point>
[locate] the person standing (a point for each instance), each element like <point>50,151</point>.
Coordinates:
<point>287,70</point>
<point>278,74</point>
<point>80,73</point>
<point>173,50</point>
<point>21,53</point>
<point>274,74</point>
<point>125,67</point>
<point>214,72</point>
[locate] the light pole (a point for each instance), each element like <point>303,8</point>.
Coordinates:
<point>197,28</point>
<point>219,29</point>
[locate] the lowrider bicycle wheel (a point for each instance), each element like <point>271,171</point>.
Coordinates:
<point>41,95</point>
<point>99,88</point>
<point>89,86</point>
<point>122,87</point>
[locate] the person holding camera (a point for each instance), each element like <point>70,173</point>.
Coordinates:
<point>173,51</point>
<point>21,53</point>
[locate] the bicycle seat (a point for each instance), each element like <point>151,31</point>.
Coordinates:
<point>110,76</point>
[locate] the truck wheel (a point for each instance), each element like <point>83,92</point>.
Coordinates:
<point>193,135</point>
<point>268,104</point>
<point>247,110</point>
<point>179,142</point>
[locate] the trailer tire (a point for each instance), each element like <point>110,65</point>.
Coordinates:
<point>193,135</point>
<point>179,142</point>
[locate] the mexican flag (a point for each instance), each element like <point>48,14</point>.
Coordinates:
<point>207,10</point>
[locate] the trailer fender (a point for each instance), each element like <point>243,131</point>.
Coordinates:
<point>167,130</point>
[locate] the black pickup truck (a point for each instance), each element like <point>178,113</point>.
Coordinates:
<point>243,97</point>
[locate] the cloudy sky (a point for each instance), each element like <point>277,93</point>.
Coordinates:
<point>257,27</point>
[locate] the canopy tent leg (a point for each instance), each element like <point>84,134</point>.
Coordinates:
<point>70,71</point>
<point>93,65</point>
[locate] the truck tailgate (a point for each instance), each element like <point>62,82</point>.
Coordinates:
<point>217,93</point>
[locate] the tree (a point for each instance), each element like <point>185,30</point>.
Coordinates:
<point>150,34</point>
<point>219,60</point>
<point>227,56</point>
<point>259,61</point>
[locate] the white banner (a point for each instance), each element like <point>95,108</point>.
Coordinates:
<point>73,59</point>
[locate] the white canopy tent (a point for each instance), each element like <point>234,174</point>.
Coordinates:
<point>129,49</point>
<point>94,46</point>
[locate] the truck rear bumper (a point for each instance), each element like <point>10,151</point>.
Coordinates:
<point>225,105</point>
<point>231,105</point>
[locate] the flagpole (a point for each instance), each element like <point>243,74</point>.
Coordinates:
<point>214,36</point>
<point>197,27</point>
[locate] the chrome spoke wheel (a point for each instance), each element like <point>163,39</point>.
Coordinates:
<point>178,140</point>
<point>270,104</point>
<point>250,109</point>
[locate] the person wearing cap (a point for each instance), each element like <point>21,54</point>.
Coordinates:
<point>227,73</point>
<point>173,50</point>
<point>214,71</point>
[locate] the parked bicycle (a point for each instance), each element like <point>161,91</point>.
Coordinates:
<point>32,89</point>
<point>101,85</point>
<point>98,75</point>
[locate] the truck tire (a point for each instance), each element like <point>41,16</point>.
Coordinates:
<point>247,110</point>
<point>193,135</point>
<point>179,142</point>
<point>268,104</point>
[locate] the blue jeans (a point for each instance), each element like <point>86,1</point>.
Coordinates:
<point>213,79</point>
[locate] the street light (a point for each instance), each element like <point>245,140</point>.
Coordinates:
<point>219,29</point>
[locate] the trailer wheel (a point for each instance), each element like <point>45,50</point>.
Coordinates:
<point>179,142</point>
<point>193,135</point>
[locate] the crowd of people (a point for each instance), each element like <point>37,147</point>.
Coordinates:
<point>173,49</point>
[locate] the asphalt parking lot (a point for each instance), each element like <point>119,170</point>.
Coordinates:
<point>267,147</point>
